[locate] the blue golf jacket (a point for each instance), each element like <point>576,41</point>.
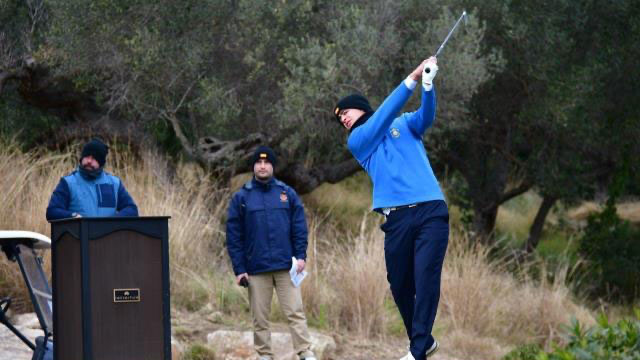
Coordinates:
<point>389,147</point>
<point>265,227</point>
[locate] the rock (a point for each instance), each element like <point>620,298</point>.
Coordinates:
<point>236,345</point>
<point>29,320</point>
<point>177,349</point>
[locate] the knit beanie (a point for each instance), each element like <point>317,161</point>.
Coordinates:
<point>97,149</point>
<point>264,152</point>
<point>353,101</point>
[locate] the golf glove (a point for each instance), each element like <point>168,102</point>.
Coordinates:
<point>428,73</point>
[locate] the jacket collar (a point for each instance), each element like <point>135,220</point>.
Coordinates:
<point>263,185</point>
<point>363,119</point>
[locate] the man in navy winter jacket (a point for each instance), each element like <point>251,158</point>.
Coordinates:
<point>90,191</point>
<point>389,147</point>
<point>266,227</point>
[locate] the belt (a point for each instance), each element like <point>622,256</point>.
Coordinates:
<point>388,210</point>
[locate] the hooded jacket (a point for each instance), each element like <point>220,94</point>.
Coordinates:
<point>265,227</point>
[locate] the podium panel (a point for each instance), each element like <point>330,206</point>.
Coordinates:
<point>111,289</point>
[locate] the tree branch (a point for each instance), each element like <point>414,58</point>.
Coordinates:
<point>305,179</point>
<point>175,124</point>
<point>524,187</point>
<point>5,76</point>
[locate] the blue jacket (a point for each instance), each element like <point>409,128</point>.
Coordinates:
<point>390,149</point>
<point>265,227</point>
<point>103,196</point>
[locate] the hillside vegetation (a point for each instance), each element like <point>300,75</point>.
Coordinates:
<point>485,311</point>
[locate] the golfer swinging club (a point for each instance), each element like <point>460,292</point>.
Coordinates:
<point>405,190</point>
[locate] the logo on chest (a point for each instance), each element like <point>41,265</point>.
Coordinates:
<point>395,133</point>
<point>283,197</point>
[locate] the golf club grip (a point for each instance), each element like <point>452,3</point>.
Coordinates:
<point>428,69</point>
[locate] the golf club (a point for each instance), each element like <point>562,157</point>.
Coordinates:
<point>463,16</point>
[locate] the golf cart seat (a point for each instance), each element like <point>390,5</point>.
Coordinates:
<point>20,246</point>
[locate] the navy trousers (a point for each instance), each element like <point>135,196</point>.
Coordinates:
<point>415,244</point>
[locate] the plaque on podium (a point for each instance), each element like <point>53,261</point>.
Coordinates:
<point>111,288</point>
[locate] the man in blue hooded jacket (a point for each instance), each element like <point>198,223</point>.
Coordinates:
<point>266,228</point>
<point>389,147</point>
<point>90,191</point>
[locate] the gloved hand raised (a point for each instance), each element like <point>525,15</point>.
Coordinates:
<point>429,72</point>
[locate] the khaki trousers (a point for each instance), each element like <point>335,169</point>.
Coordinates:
<point>260,294</point>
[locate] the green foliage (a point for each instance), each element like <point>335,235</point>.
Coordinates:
<point>227,68</point>
<point>24,123</point>
<point>528,93</point>
<point>612,248</point>
<point>199,352</point>
<point>604,341</point>
<point>525,352</point>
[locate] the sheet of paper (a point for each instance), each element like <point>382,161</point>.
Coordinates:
<point>296,277</point>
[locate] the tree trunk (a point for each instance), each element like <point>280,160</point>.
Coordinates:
<point>538,223</point>
<point>485,209</point>
<point>305,180</point>
<point>484,221</point>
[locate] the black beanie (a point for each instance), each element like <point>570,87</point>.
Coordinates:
<point>97,149</point>
<point>353,101</point>
<point>264,152</point>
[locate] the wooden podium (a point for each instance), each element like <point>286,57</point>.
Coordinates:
<point>111,288</point>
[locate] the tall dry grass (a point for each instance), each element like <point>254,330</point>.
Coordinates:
<point>349,285</point>
<point>484,309</point>
<point>487,310</point>
<point>23,202</point>
<point>185,193</point>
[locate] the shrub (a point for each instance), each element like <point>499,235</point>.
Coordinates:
<point>525,352</point>
<point>199,352</point>
<point>601,342</point>
<point>612,248</point>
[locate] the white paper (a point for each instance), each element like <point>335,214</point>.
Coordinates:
<point>296,277</point>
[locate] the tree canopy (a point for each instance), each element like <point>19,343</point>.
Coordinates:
<point>530,95</point>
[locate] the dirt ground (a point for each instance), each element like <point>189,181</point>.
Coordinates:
<point>193,328</point>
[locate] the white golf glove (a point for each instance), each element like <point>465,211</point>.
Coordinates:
<point>428,73</point>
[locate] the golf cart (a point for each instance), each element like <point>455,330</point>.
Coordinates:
<point>19,246</point>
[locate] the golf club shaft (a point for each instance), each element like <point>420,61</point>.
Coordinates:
<point>464,14</point>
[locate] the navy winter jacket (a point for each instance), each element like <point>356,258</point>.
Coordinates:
<point>265,227</point>
<point>103,196</point>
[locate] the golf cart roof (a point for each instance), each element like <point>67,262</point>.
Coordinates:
<point>37,241</point>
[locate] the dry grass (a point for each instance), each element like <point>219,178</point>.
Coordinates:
<point>189,197</point>
<point>359,282</point>
<point>516,216</point>
<point>23,204</point>
<point>346,202</point>
<point>626,210</point>
<point>481,300</point>
<point>484,309</point>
